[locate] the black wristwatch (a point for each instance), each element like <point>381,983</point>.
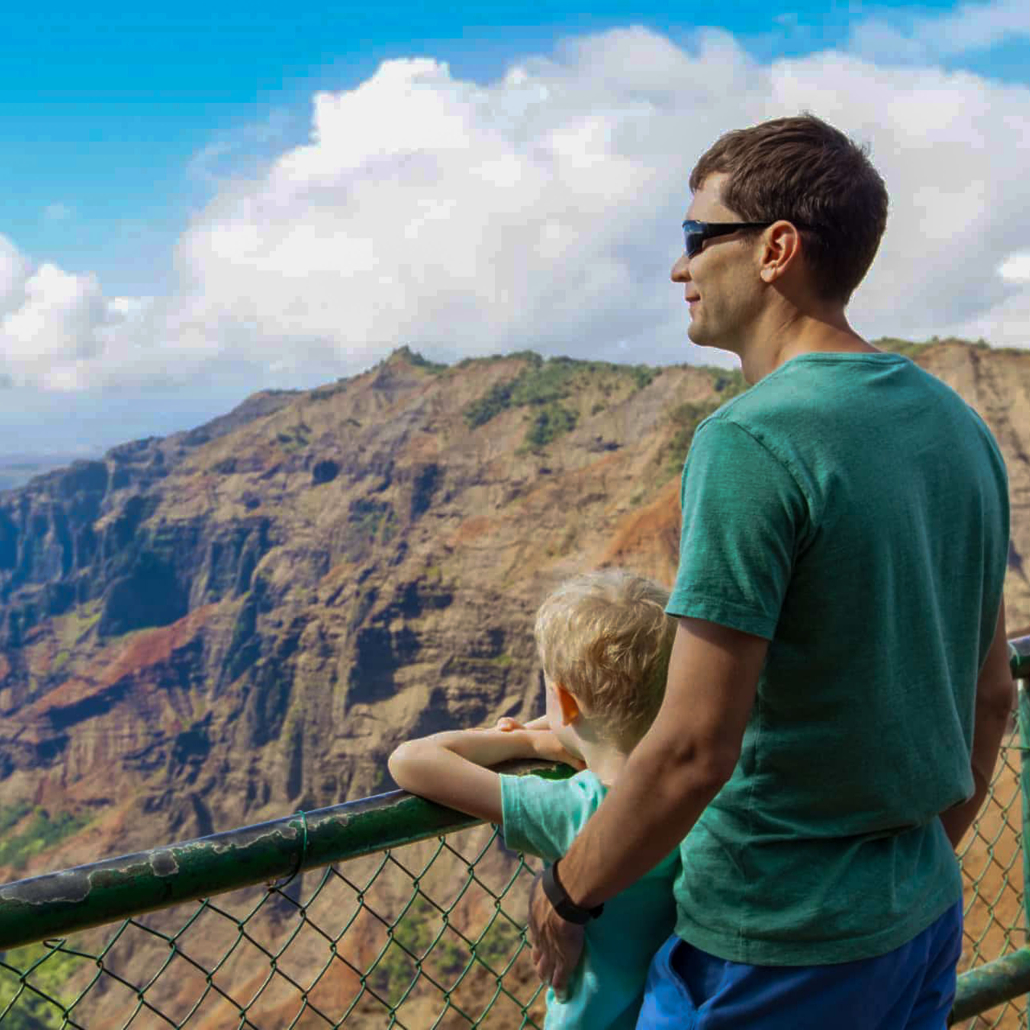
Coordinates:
<point>563,904</point>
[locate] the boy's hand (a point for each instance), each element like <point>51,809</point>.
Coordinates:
<point>548,747</point>
<point>541,737</point>
<point>506,724</point>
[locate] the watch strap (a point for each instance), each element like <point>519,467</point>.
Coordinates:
<point>562,903</point>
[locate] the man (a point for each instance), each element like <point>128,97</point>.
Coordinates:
<point>839,683</point>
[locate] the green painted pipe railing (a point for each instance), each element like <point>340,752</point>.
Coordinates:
<point>55,905</point>
<point>92,895</point>
<point>60,903</point>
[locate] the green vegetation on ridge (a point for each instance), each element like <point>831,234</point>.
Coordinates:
<point>542,386</point>
<point>548,423</point>
<point>686,418</point>
<point>728,382</point>
<point>296,437</point>
<point>912,348</point>
<point>413,357</point>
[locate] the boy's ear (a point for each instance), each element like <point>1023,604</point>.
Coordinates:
<point>567,705</point>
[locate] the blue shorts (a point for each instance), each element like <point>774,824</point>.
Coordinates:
<point>910,988</point>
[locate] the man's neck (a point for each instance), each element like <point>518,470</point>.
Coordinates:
<point>800,334</point>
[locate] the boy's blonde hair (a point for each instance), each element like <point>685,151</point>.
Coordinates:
<point>605,637</point>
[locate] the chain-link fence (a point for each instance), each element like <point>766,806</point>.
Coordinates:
<point>424,935</point>
<point>992,870</point>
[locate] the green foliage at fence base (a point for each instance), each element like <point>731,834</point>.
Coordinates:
<point>31,1011</point>
<point>421,938</point>
<point>43,831</point>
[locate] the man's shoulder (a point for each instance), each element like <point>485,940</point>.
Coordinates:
<point>822,389</point>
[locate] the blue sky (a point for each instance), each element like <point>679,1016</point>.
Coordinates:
<point>132,139</point>
<point>105,107</point>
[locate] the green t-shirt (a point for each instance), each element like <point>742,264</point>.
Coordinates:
<point>542,817</point>
<point>853,510</point>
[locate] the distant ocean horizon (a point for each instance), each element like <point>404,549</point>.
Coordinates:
<point>16,469</point>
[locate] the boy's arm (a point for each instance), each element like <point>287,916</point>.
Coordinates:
<point>449,767</point>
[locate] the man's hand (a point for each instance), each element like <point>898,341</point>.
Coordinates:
<point>557,943</point>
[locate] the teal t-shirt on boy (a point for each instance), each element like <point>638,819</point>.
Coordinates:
<point>542,817</point>
<point>853,510</point>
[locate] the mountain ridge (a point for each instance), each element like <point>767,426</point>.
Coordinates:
<point>240,620</point>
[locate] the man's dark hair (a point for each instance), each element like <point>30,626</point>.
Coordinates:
<point>809,173</point>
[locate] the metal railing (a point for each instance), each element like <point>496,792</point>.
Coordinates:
<point>389,912</point>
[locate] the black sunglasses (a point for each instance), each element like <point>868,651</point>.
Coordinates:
<point>695,233</point>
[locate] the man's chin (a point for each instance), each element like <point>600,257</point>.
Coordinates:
<point>700,338</point>
<point>697,336</point>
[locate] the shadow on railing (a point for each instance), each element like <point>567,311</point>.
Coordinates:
<point>420,927</point>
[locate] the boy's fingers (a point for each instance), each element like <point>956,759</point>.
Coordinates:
<point>558,754</point>
<point>507,723</point>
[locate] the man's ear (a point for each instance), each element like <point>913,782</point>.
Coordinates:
<point>781,247</point>
<point>568,706</point>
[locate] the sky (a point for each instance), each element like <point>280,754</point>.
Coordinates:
<point>204,200</point>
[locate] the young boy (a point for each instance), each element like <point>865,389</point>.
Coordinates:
<point>604,642</point>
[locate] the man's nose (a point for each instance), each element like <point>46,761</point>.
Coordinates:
<point>681,270</point>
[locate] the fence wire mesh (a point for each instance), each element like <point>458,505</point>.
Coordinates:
<point>429,936</point>
<point>992,870</point>
<point>425,936</point>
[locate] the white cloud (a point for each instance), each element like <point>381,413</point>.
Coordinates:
<point>1016,267</point>
<point>541,210</point>
<point>915,37</point>
<point>14,270</point>
<point>245,148</point>
<point>51,337</point>
<point>949,146</point>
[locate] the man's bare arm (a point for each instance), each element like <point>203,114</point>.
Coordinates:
<point>995,697</point>
<point>679,766</point>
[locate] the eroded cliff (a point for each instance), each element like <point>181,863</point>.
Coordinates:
<point>239,621</point>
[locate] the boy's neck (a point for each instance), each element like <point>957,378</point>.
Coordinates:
<point>605,761</point>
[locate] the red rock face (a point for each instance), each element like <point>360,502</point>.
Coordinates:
<point>240,621</point>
